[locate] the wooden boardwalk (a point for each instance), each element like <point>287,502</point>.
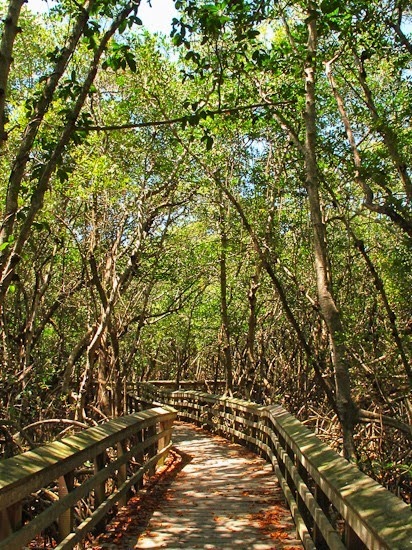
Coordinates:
<point>223,496</point>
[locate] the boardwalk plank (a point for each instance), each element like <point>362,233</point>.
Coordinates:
<point>224,497</point>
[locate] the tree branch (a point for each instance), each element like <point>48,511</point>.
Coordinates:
<point>182,119</point>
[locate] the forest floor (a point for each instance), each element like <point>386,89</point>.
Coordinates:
<point>210,494</point>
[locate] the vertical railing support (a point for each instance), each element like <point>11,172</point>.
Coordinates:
<point>139,458</point>
<point>10,520</point>
<point>352,540</point>
<point>122,472</point>
<point>65,485</point>
<point>100,488</point>
<point>323,501</point>
<point>164,440</point>
<point>303,510</point>
<point>151,431</point>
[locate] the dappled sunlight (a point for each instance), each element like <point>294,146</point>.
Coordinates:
<point>220,496</point>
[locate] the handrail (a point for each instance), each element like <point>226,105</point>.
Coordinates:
<point>195,385</point>
<point>143,438</point>
<point>334,504</point>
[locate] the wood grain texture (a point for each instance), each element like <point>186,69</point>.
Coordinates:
<point>224,497</point>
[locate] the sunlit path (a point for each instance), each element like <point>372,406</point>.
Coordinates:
<point>224,497</point>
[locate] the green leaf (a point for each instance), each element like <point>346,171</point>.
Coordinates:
<point>131,63</point>
<point>122,27</point>
<point>329,6</point>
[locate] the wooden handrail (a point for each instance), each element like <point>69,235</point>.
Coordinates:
<point>333,503</point>
<point>143,436</point>
<point>195,385</point>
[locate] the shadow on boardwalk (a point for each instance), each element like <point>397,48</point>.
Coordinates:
<point>213,494</point>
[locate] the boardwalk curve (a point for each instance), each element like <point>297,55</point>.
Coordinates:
<point>224,497</point>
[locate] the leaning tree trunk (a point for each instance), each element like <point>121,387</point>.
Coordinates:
<point>223,297</point>
<point>10,258</point>
<point>9,34</point>
<point>251,372</point>
<point>330,312</point>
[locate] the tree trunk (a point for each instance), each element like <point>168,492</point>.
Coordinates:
<point>6,57</point>
<point>32,128</point>
<point>397,214</point>
<point>251,372</point>
<point>386,132</point>
<point>344,403</point>
<point>227,353</point>
<point>11,258</point>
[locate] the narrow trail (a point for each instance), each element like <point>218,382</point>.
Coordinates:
<point>214,494</point>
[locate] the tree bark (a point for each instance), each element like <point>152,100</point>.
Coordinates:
<point>252,320</point>
<point>267,265</point>
<point>346,408</point>
<point>401,219</point>
<point>11,259</point>
<point>30,133</point>
<point>386,132</point>
<point>224,243</point>
<point>10,32</point>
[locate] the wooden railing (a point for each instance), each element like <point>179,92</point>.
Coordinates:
<point>333,503</point>
<point>115,456</point>
<point>194,385</point>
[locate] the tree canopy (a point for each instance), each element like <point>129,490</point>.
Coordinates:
<point>230,202</point>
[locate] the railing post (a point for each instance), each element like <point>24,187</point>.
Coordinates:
<point>139,458</point>
<point>100,488</point>
<point>122,472</point>
<point>65,485</point>
<point>258,433</point>
<point>10,520</point>
<point>164,440</point>
<point>151,431</point>
<point>322,501</point>
<point>255,431</point>
<point>303,510</point>
<point>352,540</point>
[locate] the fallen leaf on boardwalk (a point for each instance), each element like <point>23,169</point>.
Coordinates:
<point>133,520</point>
<point>278,534</point>
<point>270,522</point>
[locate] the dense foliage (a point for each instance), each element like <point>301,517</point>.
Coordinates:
<point>233,202</point>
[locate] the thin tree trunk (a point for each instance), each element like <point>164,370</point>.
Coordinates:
<point>402,219</point>
<point>388,135</point>
<point>402,37</point>
<point>9,262</point>
<point>252,323</point>
<point>30,133</point>
<point>224,243</point>
<point>10,32</point>
<point>345,405</point>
